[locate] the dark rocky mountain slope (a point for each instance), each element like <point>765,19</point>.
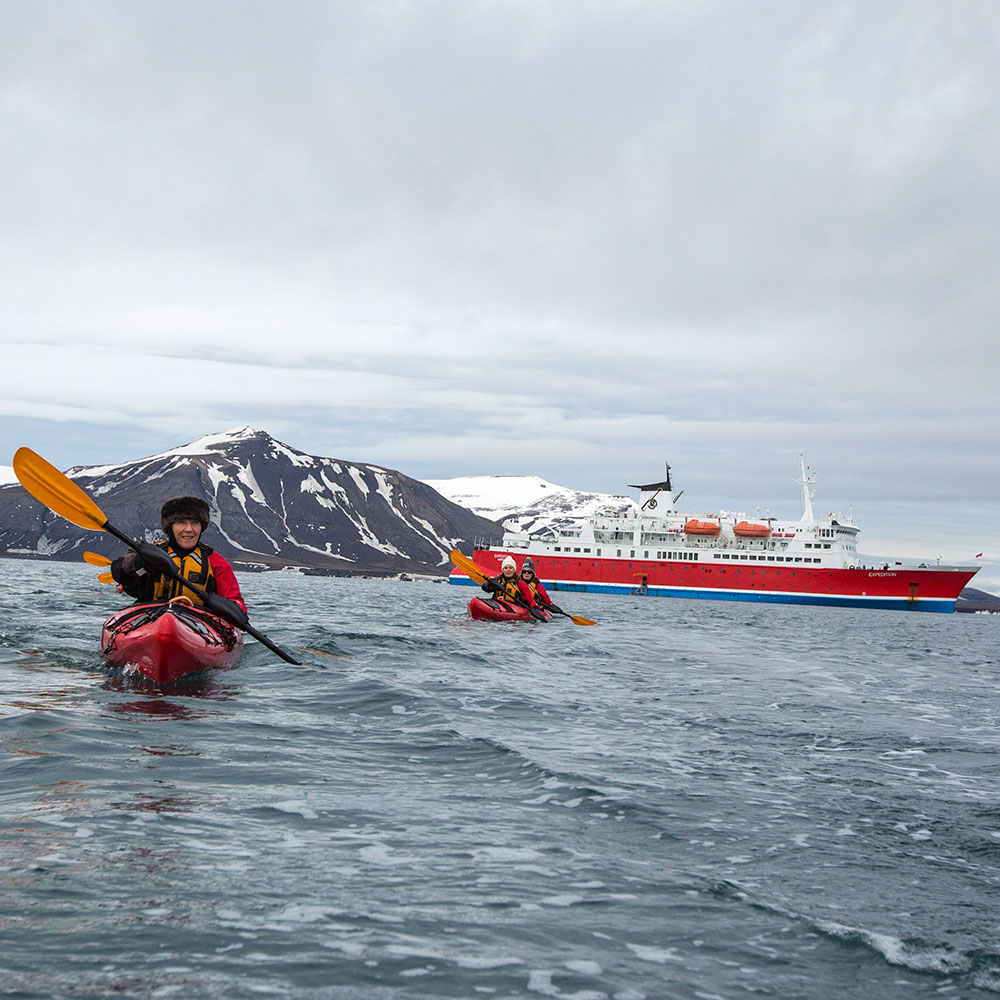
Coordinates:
<point>272,506</point>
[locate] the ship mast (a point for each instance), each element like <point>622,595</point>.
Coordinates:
<point>806,480</point>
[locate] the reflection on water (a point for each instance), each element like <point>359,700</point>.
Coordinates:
<point>165,701</point>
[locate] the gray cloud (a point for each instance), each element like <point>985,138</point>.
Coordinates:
<point>568,239</point>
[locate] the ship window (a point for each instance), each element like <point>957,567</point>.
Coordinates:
<point>576,550</point>
<point>798,559</point>
<point>598,551</point>
<point>645,554</point>
<point>826,545</point>
<point>808,545</point>
<point>586,550</point>
<point>632,554</point>
<point>619,552</point>
<point>770,558</point>
<point>558,548</point>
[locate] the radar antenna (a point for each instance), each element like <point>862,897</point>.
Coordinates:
<point>805,480</point>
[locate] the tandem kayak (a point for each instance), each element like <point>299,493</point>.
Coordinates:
<point>492,610</point>
<point>164,642</point>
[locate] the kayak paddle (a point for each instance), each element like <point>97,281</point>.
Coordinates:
<point>463,562</point>
<point>63,497</point>
<point>576,619</point>
<point>96,560</point>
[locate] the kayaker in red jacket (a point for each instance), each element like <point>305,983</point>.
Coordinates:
<point>537,588</point>
<point>142,573</point>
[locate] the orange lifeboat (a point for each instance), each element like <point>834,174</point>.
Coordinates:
<point>701,528</point>
<point>744,529</point>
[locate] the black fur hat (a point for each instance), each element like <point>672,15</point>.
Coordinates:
<point>184,509</point>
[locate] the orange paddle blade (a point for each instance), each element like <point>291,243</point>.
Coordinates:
<point>96,560</point>
<point>60,494</point>
<point>463,562</point>
<point>106,578</point>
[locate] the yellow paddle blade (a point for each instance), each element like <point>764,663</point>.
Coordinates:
<point>106,578</point>
<point>463,562</point>
<point>95,560</point>
<point>50,487</point>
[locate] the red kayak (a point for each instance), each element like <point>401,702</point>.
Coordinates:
<point>164,642</point>
<point>492,610</point>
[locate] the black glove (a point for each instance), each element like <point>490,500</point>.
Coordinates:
<point>227,609</point>
<point>154,560</point>
<point>535,612</point>
<point>490,587</point>
<point>553,608</point>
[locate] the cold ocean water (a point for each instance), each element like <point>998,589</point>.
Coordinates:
<point>690,800</point>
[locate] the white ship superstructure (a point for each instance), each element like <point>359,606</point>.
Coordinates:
<point>659,531</point>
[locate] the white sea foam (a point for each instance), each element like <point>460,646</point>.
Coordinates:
<point>299,806</point>
<point>584,967</point>
<point>920,958</point>
<point>650,954</point>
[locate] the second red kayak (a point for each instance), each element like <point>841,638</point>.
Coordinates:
<point>492,610</point>
<point>164,642</point>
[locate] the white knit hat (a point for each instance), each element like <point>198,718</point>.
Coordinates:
<point>508,561</point>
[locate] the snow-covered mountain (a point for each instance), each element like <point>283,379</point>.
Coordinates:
<point>7,475</point>
<point>526,503</point>
<point>271,506</point>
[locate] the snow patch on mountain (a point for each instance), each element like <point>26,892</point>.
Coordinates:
<point>212,442</point>
<point>7,475</point>
<point>527,503</point>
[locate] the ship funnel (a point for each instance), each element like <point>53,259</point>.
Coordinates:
<point>653,495</point>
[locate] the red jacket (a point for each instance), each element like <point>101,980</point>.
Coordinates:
<point>225,580</point>
<point>541,594</point>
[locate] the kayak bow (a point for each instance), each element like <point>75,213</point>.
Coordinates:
<point>164,642</point>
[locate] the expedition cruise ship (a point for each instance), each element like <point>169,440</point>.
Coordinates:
<point>661,552</point>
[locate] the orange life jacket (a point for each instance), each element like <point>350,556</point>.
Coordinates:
<point>194,566</point>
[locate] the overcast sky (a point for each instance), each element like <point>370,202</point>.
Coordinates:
<point>570,239</point>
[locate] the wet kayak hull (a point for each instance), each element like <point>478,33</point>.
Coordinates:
<point>165,642</point>
<point>492,610</point>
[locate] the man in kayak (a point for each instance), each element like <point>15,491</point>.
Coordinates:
<point>508,587</point>
<point>149,574</point>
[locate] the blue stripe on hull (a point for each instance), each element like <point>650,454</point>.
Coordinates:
<point>943,605</point>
